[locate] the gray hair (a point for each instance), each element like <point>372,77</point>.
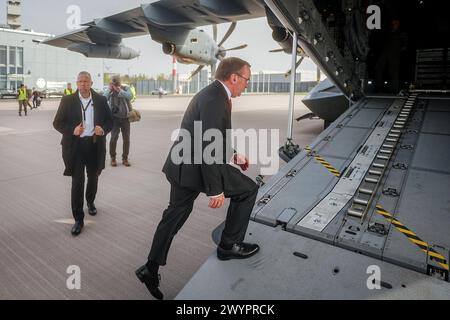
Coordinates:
<point>84,73</point>
<point>229,66</point>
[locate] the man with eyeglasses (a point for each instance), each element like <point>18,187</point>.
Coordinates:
<point>218,180</point>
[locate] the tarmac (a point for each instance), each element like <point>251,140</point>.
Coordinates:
<point>36,247</point>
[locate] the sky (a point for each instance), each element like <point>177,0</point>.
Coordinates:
<point>50,16</point>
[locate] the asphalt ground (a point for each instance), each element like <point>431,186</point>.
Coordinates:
<point>36,247</point>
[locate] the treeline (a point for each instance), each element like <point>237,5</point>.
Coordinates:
<point>134,79</point>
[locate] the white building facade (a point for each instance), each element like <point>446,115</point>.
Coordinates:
<point>24,60</point>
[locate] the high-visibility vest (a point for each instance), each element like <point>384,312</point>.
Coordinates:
<point>133,93</point>
<point>22,94</point>
<point>68,92</point>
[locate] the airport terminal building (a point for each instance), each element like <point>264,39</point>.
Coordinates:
<point>24,60</point>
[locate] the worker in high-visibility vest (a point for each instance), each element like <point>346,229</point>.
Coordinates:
<point>133,93</point>
<point>23,99</point>
<point>68,91</point>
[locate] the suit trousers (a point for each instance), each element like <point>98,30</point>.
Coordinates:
<point>123,125</point>
<point>24,104</point>
<point>85,157</point>
<point>242,200</point>
<point>392,63</point>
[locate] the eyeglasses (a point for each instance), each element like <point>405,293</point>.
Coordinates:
<point>248,80</point>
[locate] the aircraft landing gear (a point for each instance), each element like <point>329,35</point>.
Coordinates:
<point>288,151</point>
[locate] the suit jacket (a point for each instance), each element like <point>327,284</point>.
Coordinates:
<point>210,106</point>
<point>69,116</point>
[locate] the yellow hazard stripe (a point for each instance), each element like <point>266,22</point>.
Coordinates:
<point>323,162</point>
<point>413,237</point>
<point>408,232</point>
<point>419,242</point>
<point>397,223</point>
<point>444,265</point>
<point>436,255</point>
<point>384,213</point>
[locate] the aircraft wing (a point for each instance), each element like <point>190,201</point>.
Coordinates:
<point>159,16</point>
<point>105,31</point>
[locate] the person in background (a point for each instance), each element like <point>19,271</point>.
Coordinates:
<point>68,91</point>
<point>119,97</point>
<point>133,93</point>
<point>22,99</point>
<point>35,98</point>
<point>394,44</point>
<point>84,120</point>
<point>29,96</point>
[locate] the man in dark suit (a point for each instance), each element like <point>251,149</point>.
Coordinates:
<point>84,119</point>
<point>211,107</point>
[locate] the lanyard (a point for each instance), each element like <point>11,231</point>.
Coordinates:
<point>85,108</point>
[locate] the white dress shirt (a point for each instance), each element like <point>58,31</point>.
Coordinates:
<point>226,89</point>
<point>88,124</point>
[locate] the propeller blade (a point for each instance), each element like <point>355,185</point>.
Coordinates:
<point>229,32</point>
<point>299,62</point>
<point>213,71</point>
<point>236,48</point>
<point>215,32</point>
<point>276,50</point>
<point>288,73</point>
<point>196,71</point>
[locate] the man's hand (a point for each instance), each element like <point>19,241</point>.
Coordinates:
<point>78,130</point>
<point>241,161</point>
<point>99,131</point>
<point>217,202</point>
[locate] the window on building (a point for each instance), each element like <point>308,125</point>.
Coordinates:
<point>3,61</point>
<point>19,60</point>
<point>2,82</point>
<point>12,60</point>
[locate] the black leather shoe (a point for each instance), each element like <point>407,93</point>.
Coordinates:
<point>150,280</point>
<point>238,251</point>
<point>76,229</point>
<point>92,209</point>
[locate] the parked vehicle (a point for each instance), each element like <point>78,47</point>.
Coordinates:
<point>157,92</point>
<point>7,93</point>
<point>52,92</point>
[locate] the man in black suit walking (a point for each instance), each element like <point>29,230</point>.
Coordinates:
<point>211,107</point>
<point>84,119</point>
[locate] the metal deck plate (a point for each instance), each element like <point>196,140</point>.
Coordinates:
<point>425,210</point>
<point>367,117</point>
<point>433,153</point>
<point>344,143</point>
<point>437,122</point>
<point>302,192</point>
<point>438,105</point>
<point>328,272</point>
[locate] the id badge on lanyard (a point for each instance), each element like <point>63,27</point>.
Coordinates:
<point>84,111</point>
